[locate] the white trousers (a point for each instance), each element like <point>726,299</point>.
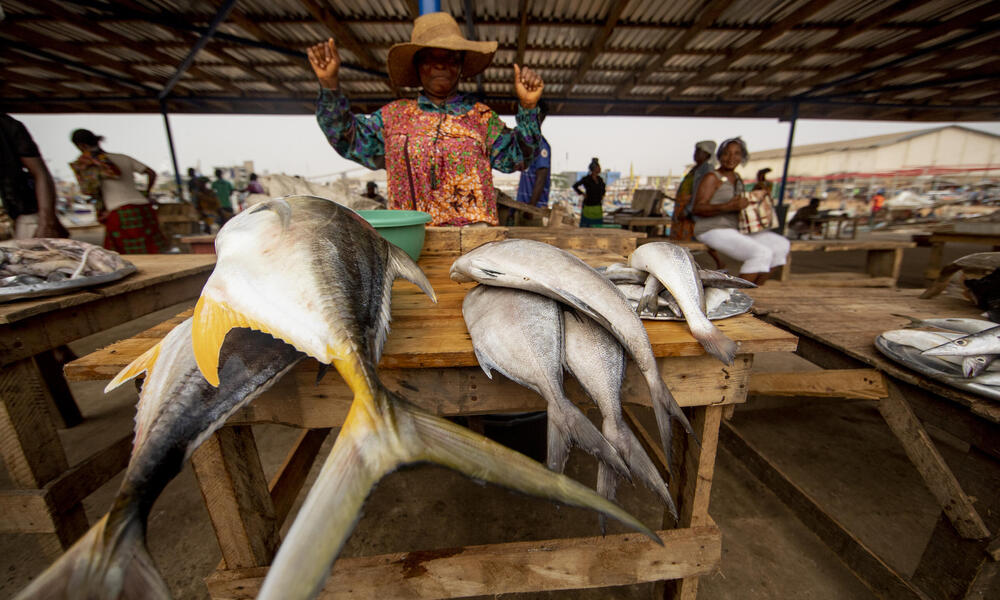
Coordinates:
<point>760,252</point>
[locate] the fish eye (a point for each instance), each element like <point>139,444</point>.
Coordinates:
<point>961,342</point>
<point>980,359</point>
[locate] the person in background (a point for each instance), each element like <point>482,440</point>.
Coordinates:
<point>800,222</point>
<point>193,185</point>
<point>129,219</point>
<point>254,186</point>
<point>207,203</point>
<point>27,191</point>
<point>720,197</point>
<point>877,201</point>
<point>762,182</point>
<point>439,149</point>
<point>371,192</point>
<point>533,187</point>
<point>223,191</point>
<point>592,213</point>
<point>681,223</point>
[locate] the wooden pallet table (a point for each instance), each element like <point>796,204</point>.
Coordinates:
<point>938,239</point>
<point>35,400</point>
<point>884,259</point>
<point>428,358</point>
<point>836,329</point>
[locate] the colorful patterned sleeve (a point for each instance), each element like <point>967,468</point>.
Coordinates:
<point>355,137</point>
<point>514,149</point>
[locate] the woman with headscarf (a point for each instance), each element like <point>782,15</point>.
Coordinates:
<point>681,223</point>
<point>720,197</point>
<point>128,217</point>
<point>592,212</point>
<point>438,150</point>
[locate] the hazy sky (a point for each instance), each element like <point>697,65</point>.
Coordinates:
<point>294,144</point>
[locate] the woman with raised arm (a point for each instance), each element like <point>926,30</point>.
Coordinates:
<point>438,149</point>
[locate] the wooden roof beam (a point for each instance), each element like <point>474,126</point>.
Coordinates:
<point>873,22</point>
<point>779,29</point>
<point>341,33</point>
<point>968,19</point>
<point>522,32</point>
<point>712,11</point>
<point>598,43</point>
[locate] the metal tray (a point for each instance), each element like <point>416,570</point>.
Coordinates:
<point>933,367</point>
<point>737,304</point>
<point>39,290</point>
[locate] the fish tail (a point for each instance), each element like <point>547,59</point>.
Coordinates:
<point>650,300</point>
<point>109,561</point>
<point>665,408</point>
<point>403,266</point>
<point>567,424</point>
<point>607,485</point>
<point>715,342</point>
<point>386,434</point>
<point>641,465</point>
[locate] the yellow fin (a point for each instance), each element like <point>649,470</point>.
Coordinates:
<point>211,322</point>
<point>144,362</point>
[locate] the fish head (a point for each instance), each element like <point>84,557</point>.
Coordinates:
<point>253,229</point>
<point>476,267</point>
<point>953,347</point>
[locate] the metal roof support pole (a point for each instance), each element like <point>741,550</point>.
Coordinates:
<point>220,16</point>
<point>430,6</point>
<point>470,32</point>
<point>173,154</point>
<point>788,153</point>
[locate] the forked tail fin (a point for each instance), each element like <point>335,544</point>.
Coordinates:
<point>102,564</point>
<point>375,440</point>
<point>714,341</point>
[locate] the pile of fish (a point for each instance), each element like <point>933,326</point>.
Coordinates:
<point>540,310</point>
<point>34,267</point>
<point>295,277</point>
<point>960,352</point>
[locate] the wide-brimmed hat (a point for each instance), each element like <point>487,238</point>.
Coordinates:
<point>437,30</point>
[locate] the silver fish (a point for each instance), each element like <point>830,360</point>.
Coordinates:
<point>961,325</point>
<point>932,366</point>
<point>719,279</point>
<point>520,335</point>
<point>634,293</point>
<point>922,340</point>
<point>986,341</point>
<point>178,410</point>
<point>622,273</point>
<point>714,298</point>
<point>677,271</point>
<point>318,276</point>
<point>597,361</point>
<point>651,295</point>
<point>549,271</point>
<point>990,378</point>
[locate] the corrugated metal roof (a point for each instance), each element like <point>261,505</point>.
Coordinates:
<point>633,63</point>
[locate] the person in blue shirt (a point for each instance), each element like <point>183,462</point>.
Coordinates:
<point>533,188</point>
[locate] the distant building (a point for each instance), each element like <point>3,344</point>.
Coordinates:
<point>918,158</point>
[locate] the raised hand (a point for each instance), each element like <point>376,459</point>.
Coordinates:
<point>528,86</point>
<point>325,61</point>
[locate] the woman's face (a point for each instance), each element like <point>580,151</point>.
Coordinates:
<point>595,170</point>
<point>732,156</point>
<point>439,70</point>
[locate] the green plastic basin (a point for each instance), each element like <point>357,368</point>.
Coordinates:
<point>404,228</point>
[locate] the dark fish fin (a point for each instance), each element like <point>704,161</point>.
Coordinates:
<point>650,301</point>
<point>607,485</point>
<point>941,282</point>
<point>102,566</point>
<point>711,278</point>
<point>374,441</point>
<point>912,321</point>
<point>401,265</point>
<point>321,373</point>
<point>567,424</point>
<point>642,466</point>
<point>665,408</point>
<point>716,343</point>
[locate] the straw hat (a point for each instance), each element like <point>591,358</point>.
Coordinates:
<point>437,30</point>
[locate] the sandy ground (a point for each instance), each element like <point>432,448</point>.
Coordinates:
<point>842,453</point>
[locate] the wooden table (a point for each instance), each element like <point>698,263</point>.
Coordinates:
<point>939,238</point>
<point>36,401</point>
<point>824,225</point>
<point>883,261</point>
<point>429,359</point>
<point>836,329</point>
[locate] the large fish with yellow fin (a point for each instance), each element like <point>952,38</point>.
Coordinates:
<point>316,275</point>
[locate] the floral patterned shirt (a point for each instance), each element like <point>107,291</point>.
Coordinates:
<point>438,159</point>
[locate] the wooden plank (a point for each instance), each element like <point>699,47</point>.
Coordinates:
<point>442,241</point>
<point>30,446</point>
<point>235,490</point>
<point>86,477</point>
<point>561,564</point>
<point>25,511</point>
<point>932,467</point>
<point>884,263</point>
<point>863,384</point>
<point>474,237</point>
<point>873,571</point>
<point>994,549</point>
<point>288,481</point>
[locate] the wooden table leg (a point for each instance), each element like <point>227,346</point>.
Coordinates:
<point>32,451</point>
<point>935,472</point>
<point>885,263</point>
<point>236,494</point>
<point>694,480</point>
<point>62,399</point>
<point>786,269</point>
<point>934,262</point>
